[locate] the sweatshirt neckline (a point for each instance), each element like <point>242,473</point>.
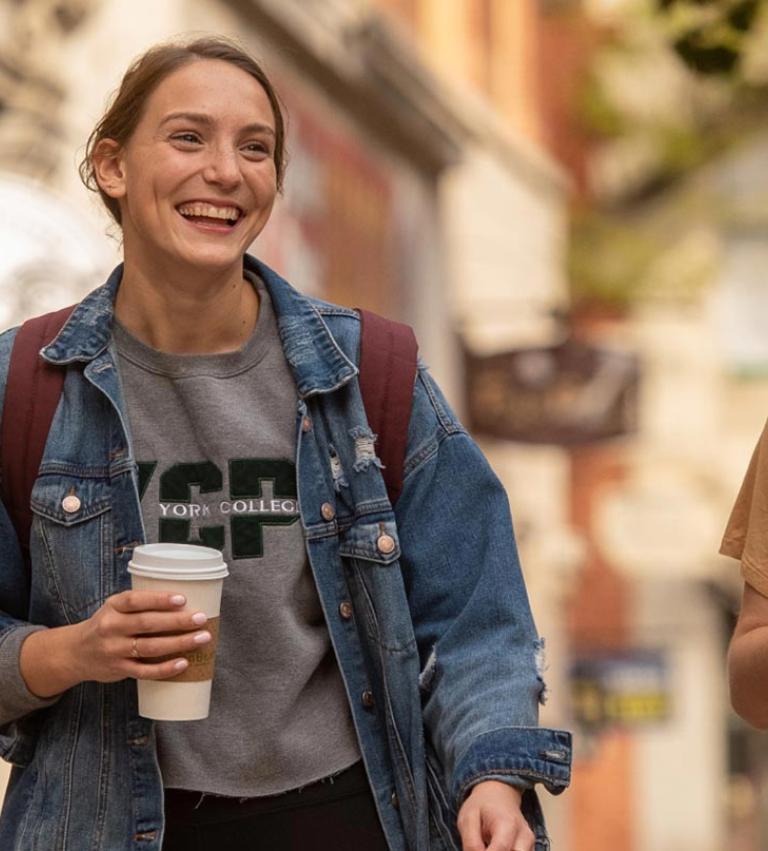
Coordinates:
<point>220,365</point>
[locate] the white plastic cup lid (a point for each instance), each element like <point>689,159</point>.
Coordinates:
<point>177,561</point>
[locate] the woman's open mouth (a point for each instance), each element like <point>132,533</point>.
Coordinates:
<point>211,217</point>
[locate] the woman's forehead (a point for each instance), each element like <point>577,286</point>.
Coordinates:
<point>212,88</point>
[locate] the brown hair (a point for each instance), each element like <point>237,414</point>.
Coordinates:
<point>143,77</point>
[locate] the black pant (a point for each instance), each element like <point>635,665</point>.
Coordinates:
<point>330,815</point>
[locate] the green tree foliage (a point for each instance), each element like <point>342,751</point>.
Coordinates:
<point>710,35</point>
<point>721,98</point>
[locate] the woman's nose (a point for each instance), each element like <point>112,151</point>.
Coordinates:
<point>223,168</point>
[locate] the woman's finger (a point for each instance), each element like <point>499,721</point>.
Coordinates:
<point>155,671</point>
<point>504,833</point>
<point>511,836</point>
<point>470,829</point>
<point>142,646</point>
<point>158,623</point>
<point>142,601</point>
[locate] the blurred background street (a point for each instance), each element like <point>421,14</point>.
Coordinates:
<point>568,200</point>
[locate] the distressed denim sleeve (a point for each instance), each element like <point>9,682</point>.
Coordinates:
<point>476,637</point>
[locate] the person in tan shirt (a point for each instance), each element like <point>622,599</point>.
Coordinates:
<point>746,539</point>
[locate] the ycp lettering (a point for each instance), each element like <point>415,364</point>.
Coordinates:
<point>247,509</point>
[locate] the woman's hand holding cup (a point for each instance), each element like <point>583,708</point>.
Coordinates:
<point>134,633</point>
<point>119,640</point>
<point>146,633</point>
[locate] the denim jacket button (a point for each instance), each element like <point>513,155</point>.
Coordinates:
<point>386,544</point>
<point>367,698</point>
<point>345,610</point>
<point>306,424</point>
<point>71,504</point>
<point>328,511</point>
<point>393,800</point>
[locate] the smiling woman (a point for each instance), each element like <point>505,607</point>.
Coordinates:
<point>377,683</point>
<point>120,120</point>
<point>195,183</point>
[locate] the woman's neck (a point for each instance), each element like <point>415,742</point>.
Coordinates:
<point>201,315</point>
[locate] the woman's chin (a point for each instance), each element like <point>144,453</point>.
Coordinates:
<point>212,257</point>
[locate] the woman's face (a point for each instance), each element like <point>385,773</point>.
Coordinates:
<point>196,181</point>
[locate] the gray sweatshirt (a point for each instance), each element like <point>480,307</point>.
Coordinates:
<point>215,439</point>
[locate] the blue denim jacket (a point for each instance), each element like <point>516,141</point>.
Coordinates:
<point>442,636</point>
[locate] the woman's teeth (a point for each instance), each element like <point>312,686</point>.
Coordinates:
<point>208,211</point>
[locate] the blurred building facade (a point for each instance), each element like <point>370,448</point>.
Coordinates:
<point>505,211</point>
<point>654,603</point>
<point>417,186</point>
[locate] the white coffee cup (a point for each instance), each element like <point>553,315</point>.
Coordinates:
<point>197,573</point>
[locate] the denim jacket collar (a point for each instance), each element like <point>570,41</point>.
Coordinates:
<point>318,364</point>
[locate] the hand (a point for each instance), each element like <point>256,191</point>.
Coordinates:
<point>490,819</point>
<point>115,641</point>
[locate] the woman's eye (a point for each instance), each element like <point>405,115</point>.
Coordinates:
<point>256,148</point>
<point>191,138</point>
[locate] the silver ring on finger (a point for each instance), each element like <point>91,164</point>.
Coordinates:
<point>135,649</point>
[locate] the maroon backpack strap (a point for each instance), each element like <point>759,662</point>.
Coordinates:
<point>32,393</point>
<point>388,353</point>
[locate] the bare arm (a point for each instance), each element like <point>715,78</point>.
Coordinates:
<point>748,660</point>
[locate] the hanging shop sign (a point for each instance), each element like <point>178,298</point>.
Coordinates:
<point>630,688</point>
<point>567,394</point>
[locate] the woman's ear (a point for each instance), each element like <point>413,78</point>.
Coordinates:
<point>108,168</point>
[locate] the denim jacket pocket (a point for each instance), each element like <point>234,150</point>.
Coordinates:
<point>370,553</point>
<point>371,542</point>
<point>72,540</point>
